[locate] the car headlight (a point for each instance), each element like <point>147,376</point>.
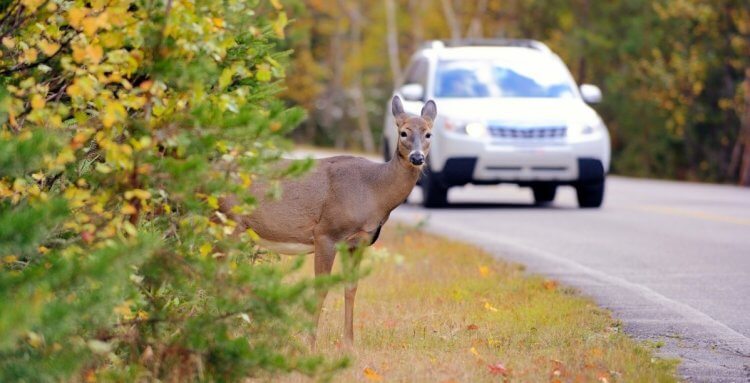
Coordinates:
<point>584,129</point>
<point>471,129</point>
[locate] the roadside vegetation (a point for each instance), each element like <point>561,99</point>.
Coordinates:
<point>435,310</point>
<point>122,124</point>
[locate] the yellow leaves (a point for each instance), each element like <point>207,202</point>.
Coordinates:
<point>128,209</point>
<point>253,235</point>
<point>217,22</point>
<point>371,374</point>
<point>212,201</point>
<point>276,5</point>
<point>474,352</point>
<point>279,25</point>
<point>87,53</point>
<point>489,307</point>
<point>263,73</point>
<point>137,193</point>
<point>37,101</point>
<point>226,78</point>
<point>9,42</point>
<point>35,340</point>
<point>29,55</point>
<point>32,5</point>
<point>10,259</point>
<point>205,249</point>
<point>247,180</point>
<point>79,139</point>
<point>484,271</point>
<point>92,23</point>
<point>114,112</point>
<point>76,15</point>
<point>123,310</point>
<point>47,47</point>
<point>82,87</point>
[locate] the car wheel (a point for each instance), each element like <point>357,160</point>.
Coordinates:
<point>544,194</point>
<point>590,194</point>
<point>434,194</point>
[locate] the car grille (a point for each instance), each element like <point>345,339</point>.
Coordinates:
<point>529,133</point>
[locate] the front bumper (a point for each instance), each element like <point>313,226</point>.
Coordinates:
<point>466,160</point>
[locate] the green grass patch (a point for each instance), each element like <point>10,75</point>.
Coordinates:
<point>435,310</point>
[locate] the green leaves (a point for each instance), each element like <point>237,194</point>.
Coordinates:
<point>123,124</point>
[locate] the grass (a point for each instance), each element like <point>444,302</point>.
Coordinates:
<point>435,310</point>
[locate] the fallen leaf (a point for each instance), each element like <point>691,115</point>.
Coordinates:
<point>484,271</point>
<point>558,369</point>
<point>475,352</point>
<point>489,307</point>
<point>372,374</point>
<point>497,369</point>
<point>550,285</point>
<point>472,327</point>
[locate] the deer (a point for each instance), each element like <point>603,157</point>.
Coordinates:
<point>342,200</point>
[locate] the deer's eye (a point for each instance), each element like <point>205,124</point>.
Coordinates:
<point>403,134</point>
<point>428,135</point>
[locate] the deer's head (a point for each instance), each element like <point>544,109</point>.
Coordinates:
<point>414,132</point>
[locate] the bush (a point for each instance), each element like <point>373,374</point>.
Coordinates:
<point>123,123</point>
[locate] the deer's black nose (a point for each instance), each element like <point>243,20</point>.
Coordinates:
<point>416,158</point>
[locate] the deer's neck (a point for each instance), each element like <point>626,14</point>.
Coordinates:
<point>395,181</point>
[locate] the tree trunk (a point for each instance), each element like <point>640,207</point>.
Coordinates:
<point>392,38</point>
<point>451,19</point>
<point>475,25</point>
<point>584,51</point>
<point>744,136</point>
<point>355,36</point>
<point>333,109</point>
<point>416,11</point>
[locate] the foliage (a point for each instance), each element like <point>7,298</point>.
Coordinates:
<point>124,122</point>
<point>671,70</point>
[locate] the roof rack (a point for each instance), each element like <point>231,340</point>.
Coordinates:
<point>523,43</point>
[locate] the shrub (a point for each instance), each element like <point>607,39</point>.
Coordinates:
<point>123,123</point>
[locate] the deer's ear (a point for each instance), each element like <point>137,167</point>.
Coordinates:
<point>398,110</point>
<point>429,111</point>
<point>396,106</point>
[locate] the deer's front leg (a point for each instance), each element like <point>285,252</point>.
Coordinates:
<point>350,291</point>
<point>325,253</point>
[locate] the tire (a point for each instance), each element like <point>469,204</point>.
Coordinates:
<point>544,193</point>
<point>590,194</point>
<point>434,194</point>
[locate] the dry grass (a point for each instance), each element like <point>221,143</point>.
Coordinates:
<point>434,310</point>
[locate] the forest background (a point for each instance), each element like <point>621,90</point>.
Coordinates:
<point>675,73</point>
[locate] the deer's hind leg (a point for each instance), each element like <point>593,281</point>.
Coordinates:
<point>325,254</point>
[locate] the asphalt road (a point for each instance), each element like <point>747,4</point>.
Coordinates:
<point>671,260</point>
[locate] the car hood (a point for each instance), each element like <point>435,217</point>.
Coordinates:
<point>520,111</point>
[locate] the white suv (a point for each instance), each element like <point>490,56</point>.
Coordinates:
<point>508,112</point>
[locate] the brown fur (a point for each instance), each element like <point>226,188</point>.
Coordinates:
<point>344,199</point>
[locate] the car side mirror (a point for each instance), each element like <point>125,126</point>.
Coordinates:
<point>591,94</point>
<point>412,92</point>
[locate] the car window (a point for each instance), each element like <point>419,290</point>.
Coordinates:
<point>417,73</point>
<point>503,78</point>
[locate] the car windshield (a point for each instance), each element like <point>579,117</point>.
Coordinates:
<point>519,77</point>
